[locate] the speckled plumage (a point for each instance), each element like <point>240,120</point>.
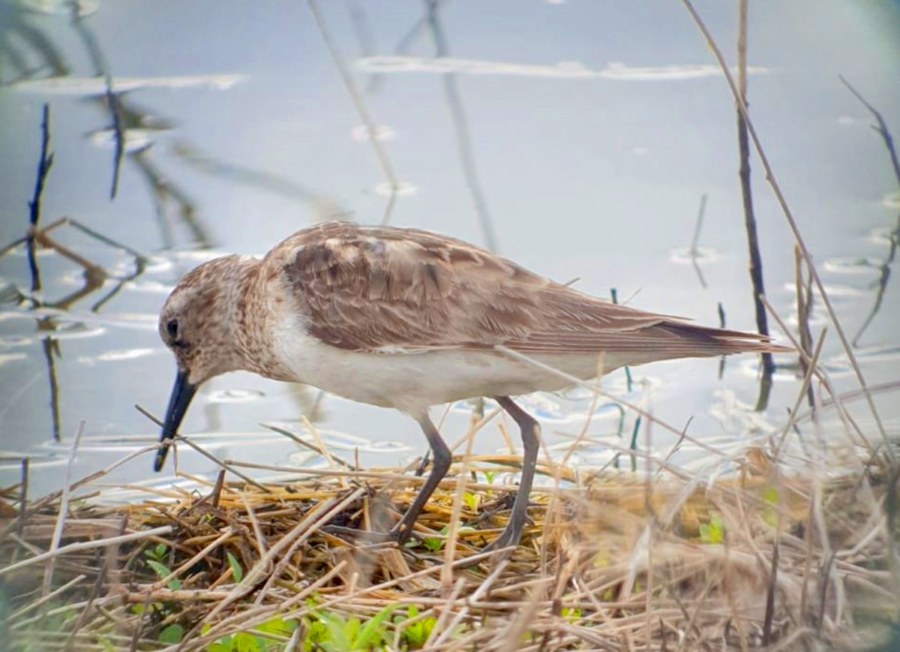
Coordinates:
<point>404,318</point>
<point>393,291</point>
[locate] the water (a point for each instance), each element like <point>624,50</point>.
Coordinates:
<point>594,129</point>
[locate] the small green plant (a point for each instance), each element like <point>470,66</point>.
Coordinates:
<point>572,614</point>
<point>415,634</point>
<point>353,636</point>
<point>171,634</point>
<point>433,544</point>
<point>471,500</point>
<point>713,533</point>
<point>770,496</point>
<point>250,642</point>
<point>236,571</point>
<point>155,557</point>
<point>158,552</point>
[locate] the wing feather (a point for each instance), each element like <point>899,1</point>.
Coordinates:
<point>378,288</point>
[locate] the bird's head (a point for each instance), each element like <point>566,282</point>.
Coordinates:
<point>198,324</point>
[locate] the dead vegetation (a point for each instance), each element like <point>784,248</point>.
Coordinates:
<point>612,562</point>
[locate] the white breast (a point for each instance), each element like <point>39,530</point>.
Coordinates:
<point>413,381</point>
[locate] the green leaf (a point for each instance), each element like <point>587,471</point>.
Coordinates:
<point>171,634</point>
<point>236,571</point>
<point>770,495</point>
<point>417,634</point>
<point>160,569</point>
<point>433,545</point>
<point>244,642</point>
<point>277,626</point>
<point>106,644</point>
<point>374,631</point>
<point>352,630</point>
<point>316,633</point>
<point>338,634</point>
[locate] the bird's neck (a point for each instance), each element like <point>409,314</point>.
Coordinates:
<point>252,324</point>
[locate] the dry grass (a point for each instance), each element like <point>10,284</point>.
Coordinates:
<point>611,562</point>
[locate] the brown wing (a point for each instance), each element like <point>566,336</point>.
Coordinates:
<point>381,289</point>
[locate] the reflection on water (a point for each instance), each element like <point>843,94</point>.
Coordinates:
<point>562,70</point>
<point>92,86</point>
<point>237,146</point>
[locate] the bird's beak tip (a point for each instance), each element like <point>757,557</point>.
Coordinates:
<point>182,392</point>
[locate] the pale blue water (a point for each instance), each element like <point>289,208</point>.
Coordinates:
<point>595,128</point>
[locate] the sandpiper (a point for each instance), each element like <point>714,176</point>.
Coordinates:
<point>408,319</point>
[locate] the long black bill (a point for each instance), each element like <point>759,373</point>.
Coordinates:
<point>182,393</point>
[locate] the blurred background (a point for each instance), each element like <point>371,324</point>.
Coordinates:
<point>580,138</point>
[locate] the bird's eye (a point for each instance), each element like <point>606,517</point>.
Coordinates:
<point>172,328</point>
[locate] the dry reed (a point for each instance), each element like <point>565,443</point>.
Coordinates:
<point>620,563</point>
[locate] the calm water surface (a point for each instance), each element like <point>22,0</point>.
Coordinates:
<point>584,133</point>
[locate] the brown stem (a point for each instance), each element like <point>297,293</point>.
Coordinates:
<point>756,271</point>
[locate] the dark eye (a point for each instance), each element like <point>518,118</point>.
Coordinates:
<point>172,328</point>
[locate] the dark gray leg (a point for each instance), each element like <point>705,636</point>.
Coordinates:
<point>442,458</point>
<point>530,430</point>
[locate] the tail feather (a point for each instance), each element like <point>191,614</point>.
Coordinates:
<point>720,341</point>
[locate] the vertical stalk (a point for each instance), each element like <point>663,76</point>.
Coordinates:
<point>756,271</point>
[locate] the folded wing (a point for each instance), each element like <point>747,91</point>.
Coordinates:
<point>381,289</point>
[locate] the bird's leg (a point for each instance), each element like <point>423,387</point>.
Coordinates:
<point>442,458</point>
<point>530,430</point>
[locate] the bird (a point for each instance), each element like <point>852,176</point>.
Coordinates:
<point>405,318</point>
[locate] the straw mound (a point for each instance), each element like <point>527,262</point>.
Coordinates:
<point>612,563</point>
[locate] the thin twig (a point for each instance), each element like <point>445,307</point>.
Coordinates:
<point>450,546</point>
<point>115,108</point>
<point>305,444</point>
<point>63,510</point>
<point>209,456</point>
<point>44,600</point>
<point>804,387</point>
<point>756,270</point>
<point>882,130</point>
<point>461,127</point>
<point>23,496</point>
<point>693,252</point>
<point>360,106</point>
<point>87,545</point>
<point>34,218</point>
<point>792,223</point>
<point>44,165</point>
<point>196,559</point>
